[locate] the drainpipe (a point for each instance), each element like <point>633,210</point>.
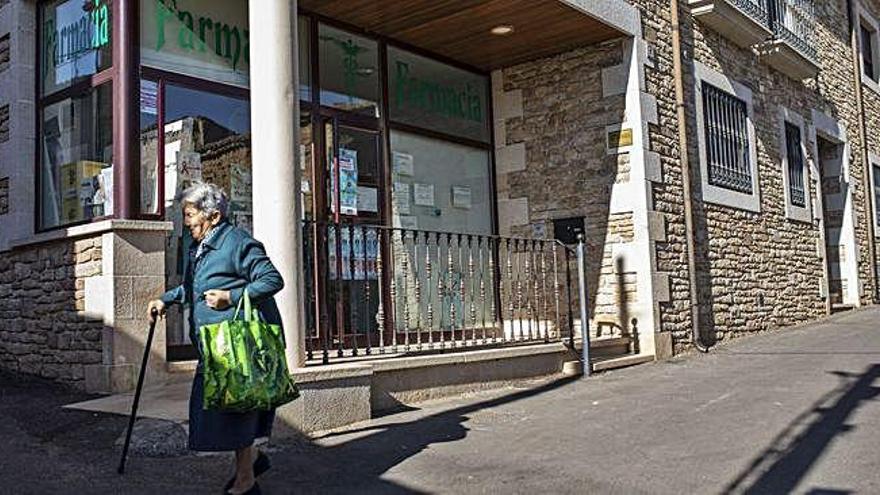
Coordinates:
<point>863,133</point>
<point>678,73</point>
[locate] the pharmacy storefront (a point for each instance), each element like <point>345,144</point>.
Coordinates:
<point>372,182</point>
<point>389,136</point>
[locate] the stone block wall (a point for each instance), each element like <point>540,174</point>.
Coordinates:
<point>551,119</point>
<point>755,270</point>
<point>45,329</point>
<point>871,98</point>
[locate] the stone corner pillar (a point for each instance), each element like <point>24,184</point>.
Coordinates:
<point>274,135</point>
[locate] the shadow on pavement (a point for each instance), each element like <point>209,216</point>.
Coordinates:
<point>793,452</point>
<point>359,464</point>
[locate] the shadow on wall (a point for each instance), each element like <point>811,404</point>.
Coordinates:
<point>569,172</point>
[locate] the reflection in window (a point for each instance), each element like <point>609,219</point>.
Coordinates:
<point>349,69</point>
<point>76,174</point>
<point>206,138</point>
<point>75,42</point>
<point>425,93</point>
<point>304,46</point>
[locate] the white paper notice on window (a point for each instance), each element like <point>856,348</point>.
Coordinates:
<point>406,222</point>
<point>423,194</point>
<point>461,197</point>
<point>149,97</point>
<point>403,163</point>
<point>401,198</point>
<point>368,199</point>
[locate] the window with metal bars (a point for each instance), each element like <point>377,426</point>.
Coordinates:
<point>796,191</point>
<point>4,123</point>
<point>5,56</point>
<point>868,36</point>
<point>876,194</point>
<point>727,140</point>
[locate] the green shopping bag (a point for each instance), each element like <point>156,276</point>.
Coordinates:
<point>244,363</point>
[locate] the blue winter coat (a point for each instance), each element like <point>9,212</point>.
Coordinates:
<point>233,261</point>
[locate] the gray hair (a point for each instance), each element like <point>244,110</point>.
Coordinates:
<point>205,197</point>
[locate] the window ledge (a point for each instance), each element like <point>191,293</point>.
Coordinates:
<point>732,22</point>
<point>89,229</point>
<point>785,58</point>
<point>870,83</point>
<point>798,213</point>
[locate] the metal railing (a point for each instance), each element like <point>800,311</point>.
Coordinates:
<point>794,22</point>
<point>376,290</point>
<point>756,9</point>
<point>791,21</point>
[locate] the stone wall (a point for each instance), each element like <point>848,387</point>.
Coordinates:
<point>755,270</point>
<point>45,330</point>
<point>871,98</point>
<point>551,162</point>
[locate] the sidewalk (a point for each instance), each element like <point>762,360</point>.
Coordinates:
<point>793,411</point>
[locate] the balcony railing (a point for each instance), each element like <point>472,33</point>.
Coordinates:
<point>374,290</point>
<point>756,9</point>
<point>782,30</point>
<point>794,22</point>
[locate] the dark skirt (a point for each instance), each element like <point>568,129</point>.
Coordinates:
<point>213,431</point>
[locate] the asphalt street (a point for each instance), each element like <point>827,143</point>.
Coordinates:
<point>790,411</point>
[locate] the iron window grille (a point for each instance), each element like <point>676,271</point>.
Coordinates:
<point>5,55</point>
<point>796,190</point>
<point>877,194</point>
<point>727,140</point>
<point>868,52</point>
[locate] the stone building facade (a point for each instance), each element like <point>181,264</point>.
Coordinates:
<point>585,135</point>
<point>757,268</point>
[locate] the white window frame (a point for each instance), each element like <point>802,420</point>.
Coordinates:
<point>716,194</point>
<point>874,164</point>
<point>869,21</point>
<point>792,211</point>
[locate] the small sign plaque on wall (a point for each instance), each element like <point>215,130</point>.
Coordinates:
<point>618,139</point>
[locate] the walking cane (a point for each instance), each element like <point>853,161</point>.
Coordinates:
<point>137,393</point>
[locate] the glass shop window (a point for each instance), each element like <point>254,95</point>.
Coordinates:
<point>349,71</point>
<point>76,172</point>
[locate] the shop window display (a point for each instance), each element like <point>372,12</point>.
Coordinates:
<point>75,123</point>
<point>76,172</point>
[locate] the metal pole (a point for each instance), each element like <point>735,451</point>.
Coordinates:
<point>582,293</point>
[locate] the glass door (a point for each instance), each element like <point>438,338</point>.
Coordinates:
<point>353,195</point>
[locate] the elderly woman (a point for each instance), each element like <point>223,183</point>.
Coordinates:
<point>222,262</point>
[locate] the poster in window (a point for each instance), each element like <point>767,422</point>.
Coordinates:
<point>348,177</point>
<point>401,198</point>
<point>149,97</point>
<point>372,253</point>
<point>359,253</point>
<point>423,194</point>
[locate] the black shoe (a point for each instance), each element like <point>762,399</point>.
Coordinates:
<point>261,465</point>
<point>255,490</point>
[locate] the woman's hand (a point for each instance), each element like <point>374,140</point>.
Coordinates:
<point>218,299</point>
<point>158,305</point>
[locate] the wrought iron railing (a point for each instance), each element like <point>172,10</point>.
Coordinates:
<point>794,22</point>
<point>375,290</point>
<point>756,9</point>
